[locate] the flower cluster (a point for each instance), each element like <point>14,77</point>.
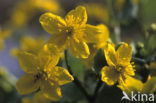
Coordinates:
<point>80,54</point>
<point>39,60</point>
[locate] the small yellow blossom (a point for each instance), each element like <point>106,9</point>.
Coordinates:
<point>136,85</point>
<point>73,32</point>
<point>3,34</point>
<point>119,64</point>
<point>42,72</point>
<point>38,98</point>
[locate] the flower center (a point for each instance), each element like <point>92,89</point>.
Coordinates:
<point>69,31</point>
<point>119,68</point>
<point>37,77</point>
<point>41,75</point>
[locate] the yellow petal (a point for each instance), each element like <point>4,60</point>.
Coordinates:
<point>95,34</point>
<point>53,49</point>
<point>28,62</point>
<point>150,86</point>
<point>110,54</point>
<point>103,36</point>
<point>78,16</point>
<point>32,45</point>
<point>131,84</point>
<point>52,23</point>
<point>128,70</point>
<point>26,100</point>
<point>62,75</point>
<point>51,91</point>
<point>40,98</point>
<point>78,49</point>
<point>58,40</point>
<point>124,54</point>
<point>91,33</point>
<point>27,84</point>
<point>48,59</point>
<point>109,75</point>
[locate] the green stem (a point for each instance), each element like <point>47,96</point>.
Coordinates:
<point>135,59</point>
<point>76,81</point>
<point>98,86</point>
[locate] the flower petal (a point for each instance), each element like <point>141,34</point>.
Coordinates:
<point>150,86</point>
<point>109,75</point>
<point>32,45</point>
<point>129,70</point>
<point>124,54</point>
<point>58,40</point>
<point>52,23</point>
<point>40,98</point>
<point>103,36</point>
<point>78,49</point>
<point>48,59</point>
<point>90,33</point>
<point>28,62</point>
<point>62,75</point>
<point>26,100</point>
<point>110,54</point>
<point>95,34</point>
<point>78,16</point>
<point>27,84</point>
<point>51,91</point>
<point>131,84</point>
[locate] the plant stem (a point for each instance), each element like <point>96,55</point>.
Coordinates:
<point>76,81</point>
<point>98,86</point>
<point>139,60</point>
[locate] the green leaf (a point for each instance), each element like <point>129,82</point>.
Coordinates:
<point>99,60</point>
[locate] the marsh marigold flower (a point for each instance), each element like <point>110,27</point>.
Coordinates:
<point>71,32</point>
<point>119,66</point>
<point>42,72</point>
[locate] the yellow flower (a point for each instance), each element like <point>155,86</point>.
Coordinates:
<point>25,10</point>
<point>38,98</point>
<point>136,85</point>
<point>119,64</point>
<point>42,72</point>
<point>3,34</point>
<point>29,44</point>
<point>73,32</point>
